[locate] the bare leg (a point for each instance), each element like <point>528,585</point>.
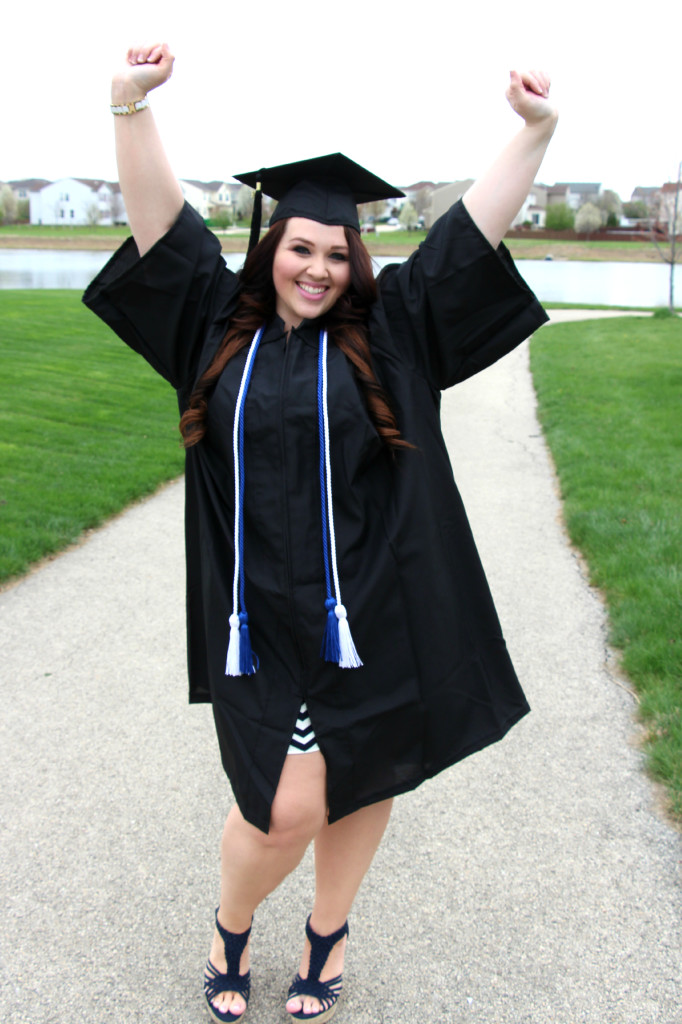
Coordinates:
<point>253,864</point>
<point>343,854</point>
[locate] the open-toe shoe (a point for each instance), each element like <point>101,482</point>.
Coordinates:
<point>232,981</point>
<point>326,992</point>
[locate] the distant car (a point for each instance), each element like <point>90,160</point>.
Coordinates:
<point>393,222</point>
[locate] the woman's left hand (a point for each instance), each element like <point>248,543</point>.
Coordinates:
<point>528,95</point>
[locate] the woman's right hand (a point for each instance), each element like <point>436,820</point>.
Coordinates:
<point>146,68</point>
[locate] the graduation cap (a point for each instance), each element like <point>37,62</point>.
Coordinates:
<point>326,189</point>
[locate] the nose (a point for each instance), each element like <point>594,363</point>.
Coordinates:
<point>317,267</point>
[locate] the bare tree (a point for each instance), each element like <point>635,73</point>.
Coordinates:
<point>670,253</point>
<point>93,213</point>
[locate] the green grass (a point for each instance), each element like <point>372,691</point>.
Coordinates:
<point>532,245</point>
<point>86,425</point>
<point>609,402</point>
<point>58,231</point>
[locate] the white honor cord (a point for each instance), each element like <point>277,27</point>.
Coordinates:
<point>235,452</point>
<point>328,470</point>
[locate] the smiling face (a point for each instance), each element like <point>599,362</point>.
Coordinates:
<point>310,270</point>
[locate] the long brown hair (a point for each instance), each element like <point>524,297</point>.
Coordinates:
<point>346,323</point>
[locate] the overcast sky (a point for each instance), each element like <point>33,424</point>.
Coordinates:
<point>411,92</point>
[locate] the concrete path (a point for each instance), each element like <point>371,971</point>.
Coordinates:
<point>536,883</point>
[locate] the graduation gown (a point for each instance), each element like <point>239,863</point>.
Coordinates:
<point>437,682</point>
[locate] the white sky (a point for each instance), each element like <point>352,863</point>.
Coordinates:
<point>411,90</point>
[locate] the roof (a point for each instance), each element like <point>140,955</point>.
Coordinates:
<point>95,183</point>
<point>209,186</point>
<point>30,184</point>
<point>579,186</point>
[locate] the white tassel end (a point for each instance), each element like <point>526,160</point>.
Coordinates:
<point>232,664</point>
<point>349,657</point>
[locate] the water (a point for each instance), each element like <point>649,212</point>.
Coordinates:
<point>609,284</point>
<point>61,268</point>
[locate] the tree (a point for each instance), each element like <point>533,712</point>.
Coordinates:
<point>93,213</point>
<point>8,205</point>
<point>670,254</point>
<point>244,202</point>
<point>421,199</point>
<point>636,210</point>
<point>409,218</point>
<point>559,217</point>
<point>372,211</point>
<point>612,208</point>
<point>588,218</point>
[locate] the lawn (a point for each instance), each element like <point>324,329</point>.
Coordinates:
<point>609,403</point>
<point>87,426</point>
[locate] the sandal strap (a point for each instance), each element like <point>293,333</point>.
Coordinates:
<point>231,981</point>
<point>215,982</point>
<point>320,948</point>
<point>234,943</point>
<point>326,992</point>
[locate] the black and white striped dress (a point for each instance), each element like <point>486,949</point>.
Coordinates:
<point>303,740</point>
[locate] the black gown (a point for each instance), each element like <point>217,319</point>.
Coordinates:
<point>437,683</point>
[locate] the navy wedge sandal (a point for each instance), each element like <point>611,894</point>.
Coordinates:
<point>232,980</point>
<point>326,992</point>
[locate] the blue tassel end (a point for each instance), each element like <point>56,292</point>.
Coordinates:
<point>331,650</point>
<point>247,666</point>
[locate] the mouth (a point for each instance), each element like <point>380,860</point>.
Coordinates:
<point>312,291</point>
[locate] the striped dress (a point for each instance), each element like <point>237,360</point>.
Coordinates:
<point>303,740</point>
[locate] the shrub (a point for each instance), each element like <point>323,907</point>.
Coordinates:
<point>559,217</point>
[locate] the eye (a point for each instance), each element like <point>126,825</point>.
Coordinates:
<point>340,256</point>
<point>302,249</point>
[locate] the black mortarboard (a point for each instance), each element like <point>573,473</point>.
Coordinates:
<point>326,189</point>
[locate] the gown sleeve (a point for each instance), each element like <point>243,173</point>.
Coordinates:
<point>457,304</point>
<point>162,304</point>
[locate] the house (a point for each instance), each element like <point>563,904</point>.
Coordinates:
<point>534,209</point>
<point>646,194</point>
<point>668,206</point>
<point>574,193</point>
<point>217,196</point>
<point>22,189</point>
<point>77,201</point>
<point>443,197</point>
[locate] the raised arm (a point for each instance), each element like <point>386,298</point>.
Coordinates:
<point>151,193</point>
<point>497,196</point>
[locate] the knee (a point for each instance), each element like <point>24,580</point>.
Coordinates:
<point>295,820</point>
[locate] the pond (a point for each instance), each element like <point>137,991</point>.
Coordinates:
<point>609,284</point>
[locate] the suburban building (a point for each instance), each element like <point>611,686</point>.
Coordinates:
<point>443,197</point>
<point>216,196</point>
<point>22,189</point>
<point>574,193</point>
<point>669,197</point>
<point>77,201</point>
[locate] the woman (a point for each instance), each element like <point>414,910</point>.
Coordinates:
<point>315,464</point>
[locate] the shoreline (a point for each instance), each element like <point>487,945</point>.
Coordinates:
<point>520,248</point>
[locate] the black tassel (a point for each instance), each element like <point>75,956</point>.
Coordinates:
<point>254,237</point>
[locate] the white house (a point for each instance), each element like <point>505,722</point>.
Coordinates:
<point>216,196</point>
<point>77,201</point>
<point>534,209</point>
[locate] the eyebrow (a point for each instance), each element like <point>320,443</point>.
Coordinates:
<point>307,241</point>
